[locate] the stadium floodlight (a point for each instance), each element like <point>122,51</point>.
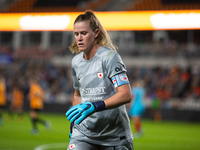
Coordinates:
<point>176,20</point>
<point>48,22</point>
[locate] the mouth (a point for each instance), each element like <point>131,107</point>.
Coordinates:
<point>80,44</point>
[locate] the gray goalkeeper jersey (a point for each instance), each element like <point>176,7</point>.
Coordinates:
<point>93,79</point>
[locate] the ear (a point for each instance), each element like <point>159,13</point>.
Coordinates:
<point>96,33</point>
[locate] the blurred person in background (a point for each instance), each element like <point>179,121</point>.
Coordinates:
<point>156,108</point>
<point>17,103</point>
<point>137,107</point>
<point>98,116</point>
<point>36,95</point>
<point>2,97</point>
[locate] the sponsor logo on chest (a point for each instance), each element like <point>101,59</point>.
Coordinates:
<point>93,91</point>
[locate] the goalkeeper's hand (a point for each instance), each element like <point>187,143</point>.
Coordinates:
<point>81,111</point>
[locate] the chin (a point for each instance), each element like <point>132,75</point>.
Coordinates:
<point>82,49</point>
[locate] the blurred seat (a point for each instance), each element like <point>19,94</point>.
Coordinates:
<point>159,5</point>
<point>93,5</point>
<point>5,49</point>
<point>35,52</point>
<point>30,6</point>
<point>34,6</point>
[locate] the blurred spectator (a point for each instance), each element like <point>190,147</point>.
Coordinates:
<point>16,103</point>
<point>137,107</point>
<point>36,95</point>
<point>2,97</point>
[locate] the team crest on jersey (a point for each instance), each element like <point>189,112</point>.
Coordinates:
<point>71,146</point>
<point>123,77</point>
<point>100,75</point>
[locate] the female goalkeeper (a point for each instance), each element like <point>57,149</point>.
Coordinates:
<point>98,116</point>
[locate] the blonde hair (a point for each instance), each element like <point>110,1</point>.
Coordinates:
<point>103,38</point>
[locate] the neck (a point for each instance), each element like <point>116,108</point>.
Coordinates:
<point>91,53</point>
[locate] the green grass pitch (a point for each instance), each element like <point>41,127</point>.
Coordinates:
<point>164,135</point>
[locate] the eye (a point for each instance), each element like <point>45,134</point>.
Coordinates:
<point>76,34</point>
<point>84,33</point>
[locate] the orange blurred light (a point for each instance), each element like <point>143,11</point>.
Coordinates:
<point>122,20</point>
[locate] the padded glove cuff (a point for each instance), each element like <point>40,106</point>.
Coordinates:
<point>99,105</point>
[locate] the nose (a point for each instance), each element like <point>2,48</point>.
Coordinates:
<point>80,38</point>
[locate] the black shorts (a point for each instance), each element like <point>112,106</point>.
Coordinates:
<point>36,110</point>
<point>2,106</point>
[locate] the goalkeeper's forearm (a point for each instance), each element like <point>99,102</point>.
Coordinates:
<point>123,96</point>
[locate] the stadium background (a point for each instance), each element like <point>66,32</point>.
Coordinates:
<point>166,59</point>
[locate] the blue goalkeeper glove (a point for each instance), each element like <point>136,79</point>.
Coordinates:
<point>81,111</point>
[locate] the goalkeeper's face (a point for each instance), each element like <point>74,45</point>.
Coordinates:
<point>85,36</point>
